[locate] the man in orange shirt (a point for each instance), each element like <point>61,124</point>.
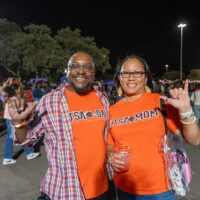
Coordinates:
<point>73,120</point>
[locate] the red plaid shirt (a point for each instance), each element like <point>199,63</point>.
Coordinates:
<point>61,181</point>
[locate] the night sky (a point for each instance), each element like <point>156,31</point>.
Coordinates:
<point>140,27</point>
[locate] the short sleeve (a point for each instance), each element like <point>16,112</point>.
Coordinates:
<point>173,118</point>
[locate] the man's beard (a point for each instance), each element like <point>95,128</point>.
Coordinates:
<point>82,90</point>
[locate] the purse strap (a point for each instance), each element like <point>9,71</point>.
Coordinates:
<point>163,111</point>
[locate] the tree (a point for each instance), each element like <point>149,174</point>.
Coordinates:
<point>44,55</point>
<point>7,28</point>
<point>8,31</point>
<point>194,74</point>
<point>34,51</point>
<point>172,75</point>
<point>72,41</point>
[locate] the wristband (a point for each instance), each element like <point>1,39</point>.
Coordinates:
<point>187,115</point>
<point>21,125</point>
<point>188,123</point>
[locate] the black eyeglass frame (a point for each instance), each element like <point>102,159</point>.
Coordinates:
<point>136,74</point>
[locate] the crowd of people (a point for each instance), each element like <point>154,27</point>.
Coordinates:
<point>195,100</point>
<point>82,132</point>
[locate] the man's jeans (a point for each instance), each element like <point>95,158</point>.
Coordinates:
<point>101,197</point>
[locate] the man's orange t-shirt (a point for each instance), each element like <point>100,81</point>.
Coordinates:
<point>140,124</point>
<point>88,124</point>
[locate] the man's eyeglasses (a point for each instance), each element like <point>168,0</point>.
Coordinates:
<point>137,74</point>
<point>86,67</point>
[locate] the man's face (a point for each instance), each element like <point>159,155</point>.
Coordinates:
<point>81,72</point>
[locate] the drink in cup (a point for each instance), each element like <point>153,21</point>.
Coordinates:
<point>125,155</point>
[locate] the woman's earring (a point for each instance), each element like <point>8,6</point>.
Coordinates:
<point>147,89</point>
<point>119,91</point>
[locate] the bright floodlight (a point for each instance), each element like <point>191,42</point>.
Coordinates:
<point>182,25</point>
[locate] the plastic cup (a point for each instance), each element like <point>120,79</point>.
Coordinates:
<point>125,155</point>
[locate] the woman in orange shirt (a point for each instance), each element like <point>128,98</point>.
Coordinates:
<point>137,123</point>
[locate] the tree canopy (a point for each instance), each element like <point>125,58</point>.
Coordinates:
<point>194,74</point>
<point>172,75</point>
<point>33,50</point>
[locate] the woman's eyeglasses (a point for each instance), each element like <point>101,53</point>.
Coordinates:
<point>136,74</point>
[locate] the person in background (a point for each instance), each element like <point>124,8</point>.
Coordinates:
<point>12,80</point>
<point>28,96</point>
<point>47,88</point>
<point>1,98</point>
<point>73,121</point>
<point>136,122</point>
<point>12,95</point>
<point>36,91</point>
<point>1,87</point>
<point>195,99</point>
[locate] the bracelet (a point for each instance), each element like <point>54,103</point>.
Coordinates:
<point>20,125</point>
<point>188,123</point>
<point>187,115</point>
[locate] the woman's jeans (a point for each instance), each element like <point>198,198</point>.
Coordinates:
<point>161,196</point>
<point>8,148</point>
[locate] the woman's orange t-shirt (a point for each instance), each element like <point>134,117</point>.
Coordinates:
<point>88,123</point>
<point>140,124</point>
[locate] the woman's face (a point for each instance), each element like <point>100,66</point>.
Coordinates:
<point>133,78</point>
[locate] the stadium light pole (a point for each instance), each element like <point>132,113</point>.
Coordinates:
<point>166,67</point>
<point>181,26</point>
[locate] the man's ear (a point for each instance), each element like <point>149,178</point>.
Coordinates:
<point>67,71</point>
<point>94,77</point>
